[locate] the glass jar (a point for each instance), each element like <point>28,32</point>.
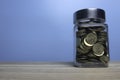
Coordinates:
<point>91,46</point>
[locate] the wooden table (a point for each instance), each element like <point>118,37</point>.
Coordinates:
<point>57,71</point>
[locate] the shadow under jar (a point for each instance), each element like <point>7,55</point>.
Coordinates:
<point>91,46</point>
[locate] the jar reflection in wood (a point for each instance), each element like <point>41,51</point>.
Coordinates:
<point>91,46</point>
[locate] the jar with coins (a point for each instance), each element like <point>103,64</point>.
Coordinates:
<point>91,46</point>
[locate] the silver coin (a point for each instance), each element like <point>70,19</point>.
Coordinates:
<point>97,28</point>
<point>82,51</point>
<point>81,33</point>
<point>102,39</point>
<point>91,55</point>
<point>93,60</point>
<point>90,39</point>
<point>78,40</point>
<point>104,59</point>
<point>82,59</point>
<point>84,46</point>
<point>98,49</point>
<point>103,33</point>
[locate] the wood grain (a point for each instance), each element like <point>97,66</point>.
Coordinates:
<point>57,71</point>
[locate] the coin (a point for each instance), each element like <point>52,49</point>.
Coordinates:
<point>98,49</point>
<point>81,32</point>
<point>102,36</point>
<point>104,59</point>
<point>102,39</point>
<point>78,41</point>
<point>103,33</point>
<point>91,55</point>
<point>83,57</point>
<point>84,46</point>
<point>85,49</point>
<point>82,60</point>
<point>82,51</point>
<point>97,28</point>
<point>90,39</point>
<point>93,60</point>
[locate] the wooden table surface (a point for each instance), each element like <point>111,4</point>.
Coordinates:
<point>57,71</point>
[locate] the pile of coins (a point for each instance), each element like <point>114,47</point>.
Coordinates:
<point>91,45</point>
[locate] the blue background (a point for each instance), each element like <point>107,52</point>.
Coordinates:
<point>42,30</point>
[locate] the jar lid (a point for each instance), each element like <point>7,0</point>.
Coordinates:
<point>89,13</point>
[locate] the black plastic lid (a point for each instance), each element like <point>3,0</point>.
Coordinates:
<point>90,13</point>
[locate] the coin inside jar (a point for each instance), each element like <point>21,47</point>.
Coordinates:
<point>102,37</point>
<point>84,46</point>
<point>103,33</point>
<point>104,59</point>
<point>82,51</point>
<point>90,39</point>
<point>78,41</point>
<point>97,28</point>
<point>81,33</point>
<point>98,49</point>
